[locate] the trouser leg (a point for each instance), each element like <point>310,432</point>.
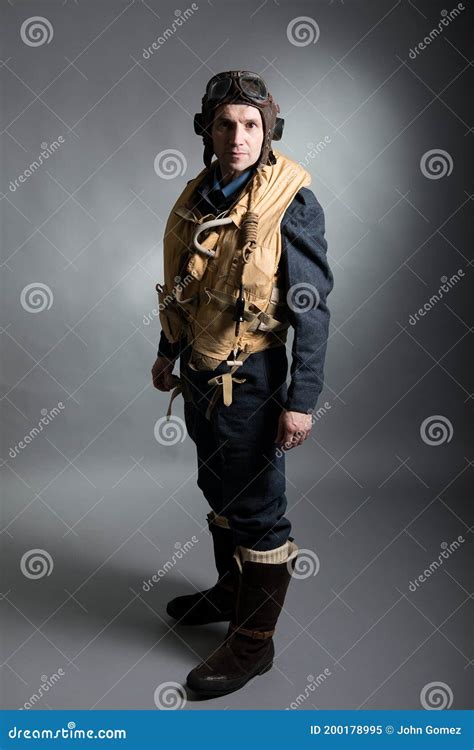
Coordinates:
<point>209,459</point>
<point>237,453</point>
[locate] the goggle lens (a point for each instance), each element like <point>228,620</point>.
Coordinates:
<point>254,87</point>
<point>250,85</point>
<point>218,88</point>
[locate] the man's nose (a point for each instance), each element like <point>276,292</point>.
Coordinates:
<point>237,135</point>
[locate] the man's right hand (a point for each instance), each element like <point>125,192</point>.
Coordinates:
<point>162,374</point>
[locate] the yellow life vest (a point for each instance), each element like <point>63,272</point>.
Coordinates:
<point>201,286</point>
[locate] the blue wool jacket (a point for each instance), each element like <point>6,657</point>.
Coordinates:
<point>303,262</point>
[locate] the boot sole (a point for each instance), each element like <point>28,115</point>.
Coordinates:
<point>215,692</point>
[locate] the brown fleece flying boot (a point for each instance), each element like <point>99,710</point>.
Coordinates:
<point>248,648</point>
<point>214,604</point>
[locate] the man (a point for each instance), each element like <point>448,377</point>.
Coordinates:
<point>243,240</point>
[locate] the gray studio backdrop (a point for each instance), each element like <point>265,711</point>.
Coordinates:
<point>98,495</point>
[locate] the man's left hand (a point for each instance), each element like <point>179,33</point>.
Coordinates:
<point>293,429</point>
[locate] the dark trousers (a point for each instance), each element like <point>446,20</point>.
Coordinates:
<point>240,470</point>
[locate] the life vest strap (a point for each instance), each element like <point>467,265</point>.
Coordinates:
<point>259,320</point>
<point>178,389</point>
<point>223,385</point>
<point>225,381</point>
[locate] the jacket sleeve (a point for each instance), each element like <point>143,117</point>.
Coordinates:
<point>167,349</point>
<point>308,279</point>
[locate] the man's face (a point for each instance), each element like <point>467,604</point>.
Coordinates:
<point>237,137</point>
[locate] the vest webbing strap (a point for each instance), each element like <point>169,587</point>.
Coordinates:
<point>225,381</point>
<point>223,385</point>
<point>259,320</point>
<point>178,389</point>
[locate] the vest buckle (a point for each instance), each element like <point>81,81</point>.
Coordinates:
<point>234,362</point>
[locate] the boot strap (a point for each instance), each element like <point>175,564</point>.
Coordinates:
<point>257,634</point>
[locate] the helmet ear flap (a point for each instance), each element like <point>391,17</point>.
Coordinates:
<point>198,124</point>
<point>278,129</point>
<point>200,127</point>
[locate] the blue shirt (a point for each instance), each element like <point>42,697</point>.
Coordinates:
<point>215,197</point>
